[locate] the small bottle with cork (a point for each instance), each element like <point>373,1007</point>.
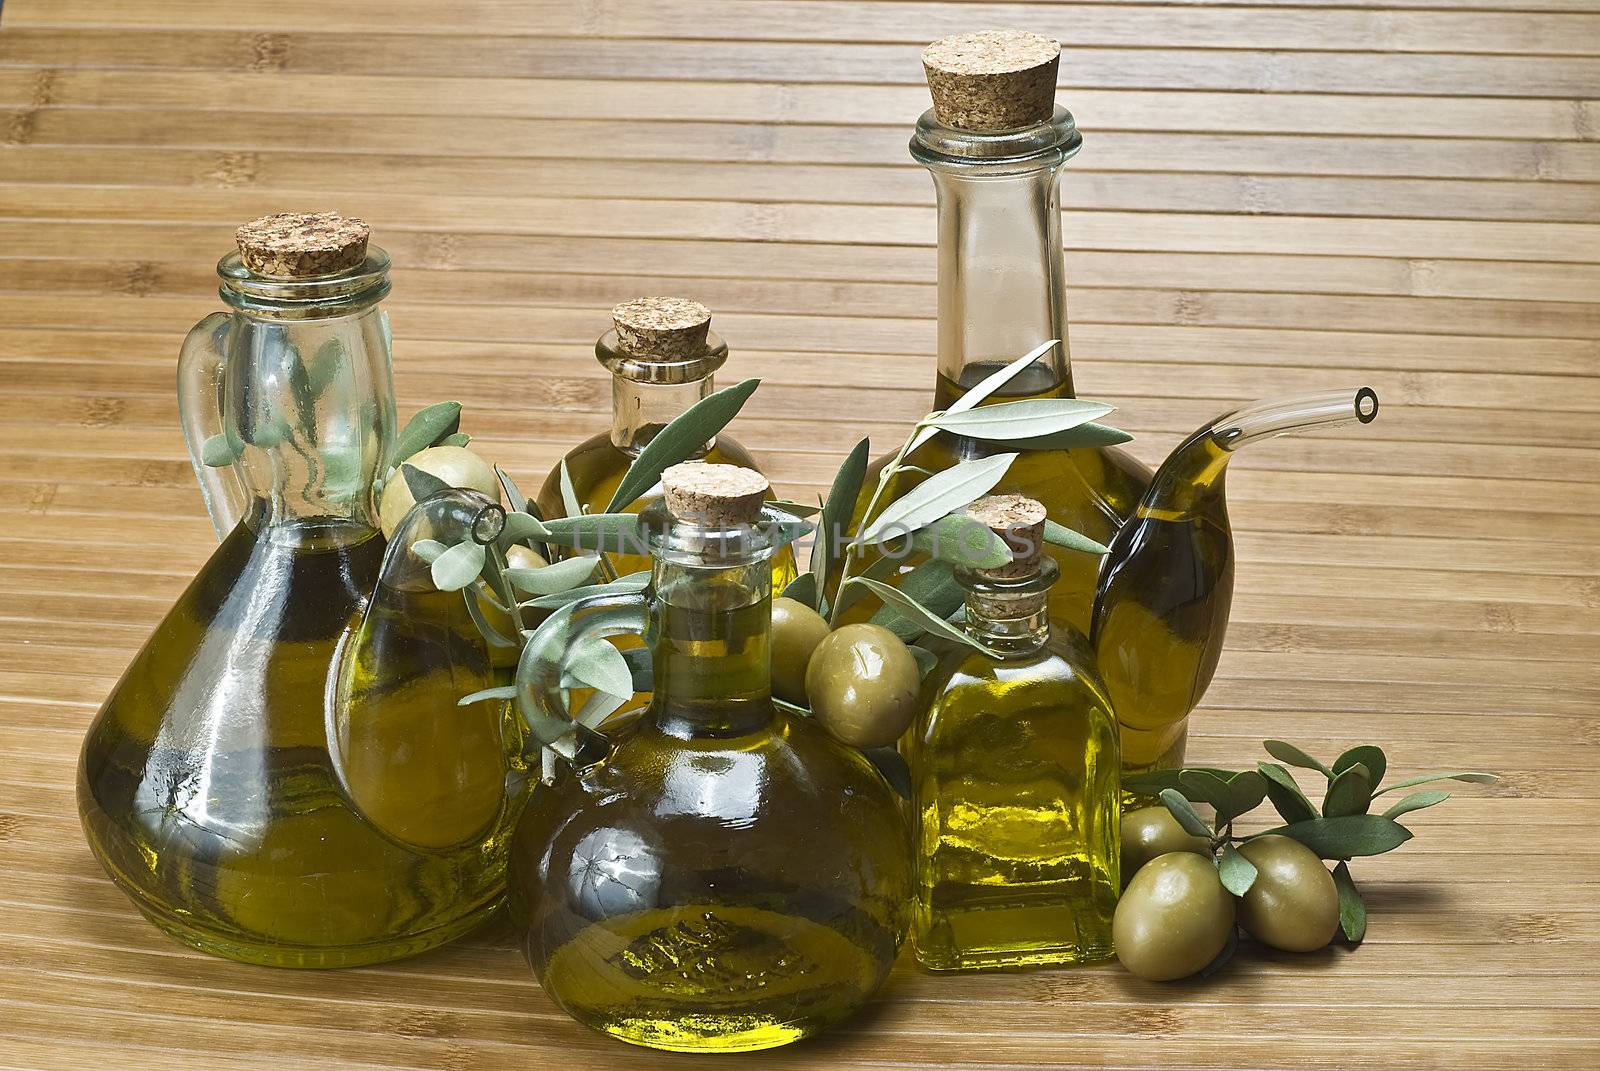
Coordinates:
<point>1014,772</point>
<point>662,356</point>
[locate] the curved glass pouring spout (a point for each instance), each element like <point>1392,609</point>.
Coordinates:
<point>1161,607</point>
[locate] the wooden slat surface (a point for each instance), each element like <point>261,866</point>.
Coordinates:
<point>1275,195</point>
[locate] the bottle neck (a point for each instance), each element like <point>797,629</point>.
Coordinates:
<point>640,410</point>
<point>710,639</point>
<point>1010,615</point>
<point>1001,281</point>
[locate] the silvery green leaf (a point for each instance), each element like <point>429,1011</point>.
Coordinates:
<point>1416,802</point>
<point>329,359</point>
<point>1369,755</point>
<point>1027,418</point>
<point>1185,813</point>
<point>880,568</point>
<point>641,663</point>
<point>428,549</point>
<point>926,660</point>
<point>458,566</point>
<point>491,635</point>
<point>1061,536</point>
<point>569,495</point>
<point>931,585</point>
<point>1473,776</point>
<point>422,484</point>
<point>619,533</point>
<point>790,708</point>
<point>964,541</point>
<point>1285,793</point>
<point>1352,908</point>
<point>802,589</point>
<point>460,438</point>
<point>892,765</point>
<point>1350,792</point>
<point>833,528</point>
<point>550,579</point>
<point>1347,836</point>
<point>683,438</point>
<point>431,423</point>
<point>1084,435</point>
<point>794,509</point>
<point>520,527</point>
<point>220,450</point>
<point>926,619</point>
<point>514,496</point>
<point>509,691</point>
<point>1292,755</point>
<point>1153,781</point>
<point>596,663</point>
<point>782,533</point>
<point>598,707</point>
<point>985,387</point>
<point>630,584</point>
<point>1237,872</point>
<point>937,496</point>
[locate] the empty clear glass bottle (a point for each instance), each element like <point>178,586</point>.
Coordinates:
<point>1014,773</point>
<point>721,875</point>
<point>260,782</point>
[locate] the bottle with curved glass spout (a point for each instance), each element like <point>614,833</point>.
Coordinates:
<point>720,876</point>
<point>662,356</point>
<point>1014,772</point>
<point>996,145</point>
<point>1161,610</point>
<point>208,785</point>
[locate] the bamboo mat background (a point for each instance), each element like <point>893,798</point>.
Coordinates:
<point>1272,197</point>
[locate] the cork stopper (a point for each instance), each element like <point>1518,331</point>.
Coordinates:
<point>664,327</point>
<point>1020,522</point>
<point>716,496</point>
<point>994,80</point>
<point>299,245</point>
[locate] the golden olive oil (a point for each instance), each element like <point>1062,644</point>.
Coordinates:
<point>208,791</point>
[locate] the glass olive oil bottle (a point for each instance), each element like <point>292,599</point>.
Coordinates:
<point>1014,774</point>
<point>996,144</point>
<point>719,876</point>
<point>662,355</point>
<point>208,784</point>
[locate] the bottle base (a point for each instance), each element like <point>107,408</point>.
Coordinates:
<point>1013,959</point>
<point>707,1034</point>
<point>242,949</point>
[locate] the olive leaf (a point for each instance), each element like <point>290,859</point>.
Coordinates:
<point>641,663</point>
<point>837,511</point>
<point>1350,792</point>
<point>519,527</point>
<point>802,589</point>
<point>964,541</point>
<point>460,438</point>
<point>1285,793</point>
<point>491,635</point>
<point>501,693</point>
<point>926,660</point>
<point>598,707</point>
<point>630,584</point>
<point>931,585</point>
<point>1294,756</point>
<point>1416,802</point>
<point>458,566</point>
<point>428,549</point>
<point>1369,755</point>
<point>1474,776</point>
<point>684,437</point>
<point>881,568</point>
<point>618,533</point>
<point>1185,813</point>
<point>1352,908</point>
<point>422,484</point>
<point>221,450</point>
<point>939,495</point>
<point>430,424</point>
<point>569,495</point>
<point>1153,781</point>
<point>1347,836</point>
<point>596,663</point>
<point>1084,435</point>
<point>794,509</point>
<point>1230,794</point>
<point>1237,872</point>
<point>983,388</point>
<point>927,619</point>
<point>1061,536</point>
<point>892,765</point>
<point>514,496</point>
<point>1028,418</point>
<point>557,577</point>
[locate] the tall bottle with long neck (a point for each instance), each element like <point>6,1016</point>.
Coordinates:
<point>996,144</point>
<point>1161,611</point>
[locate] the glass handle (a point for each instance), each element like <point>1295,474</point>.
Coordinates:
<point>550,652</point>
<point>214,448</point>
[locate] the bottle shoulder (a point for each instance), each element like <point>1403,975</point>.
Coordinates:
<point>1060,674</point>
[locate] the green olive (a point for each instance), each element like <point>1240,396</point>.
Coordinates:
<point>1150,832</point>
<point>455,465</point>
<point>863,685</point>
<point>1173,919</point>
<point>796,631</point>
<point>1293,904</point>
<point>521,557</point>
